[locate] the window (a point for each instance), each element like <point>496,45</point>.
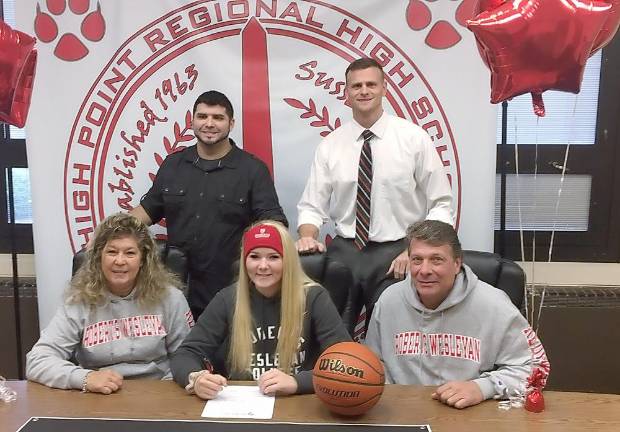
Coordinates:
<point>14,177</point>
<point>581,210</point>
<point>22,204</point>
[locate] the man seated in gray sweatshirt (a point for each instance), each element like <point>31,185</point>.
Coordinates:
<point>442,326</point>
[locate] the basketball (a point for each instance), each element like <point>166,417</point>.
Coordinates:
<point>348,378</point>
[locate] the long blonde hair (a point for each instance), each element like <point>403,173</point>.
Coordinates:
<point>89,286</point>
<point>294,286</point>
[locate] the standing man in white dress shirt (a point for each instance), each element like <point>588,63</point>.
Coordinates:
<point>373,185</point>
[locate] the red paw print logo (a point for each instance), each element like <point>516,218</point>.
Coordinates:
<point>442,34</point>
<point>70,46</point>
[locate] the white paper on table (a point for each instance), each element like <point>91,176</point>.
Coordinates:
<point>240,402</point>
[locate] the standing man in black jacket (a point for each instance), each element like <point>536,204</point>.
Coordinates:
<point>209,193</point>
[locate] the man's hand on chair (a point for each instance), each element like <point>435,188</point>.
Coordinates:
<point>308,245</point>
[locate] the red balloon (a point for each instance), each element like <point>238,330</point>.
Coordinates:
<point>532,46</point>
<point>17,67</point>
<point>610,27</point>
<point>483,6</point>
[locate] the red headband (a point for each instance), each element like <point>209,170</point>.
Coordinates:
<point>262,236</point>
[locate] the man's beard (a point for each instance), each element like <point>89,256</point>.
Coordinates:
<point>223,138</point>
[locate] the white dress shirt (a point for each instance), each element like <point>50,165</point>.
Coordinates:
<point>409,182</point>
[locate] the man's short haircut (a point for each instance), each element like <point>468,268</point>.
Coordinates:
<point>213,98</point>
<point>435,233</point>
<point>363,63</point>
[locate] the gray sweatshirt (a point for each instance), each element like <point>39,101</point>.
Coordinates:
<point>134,341</point>
<point>476,334</point>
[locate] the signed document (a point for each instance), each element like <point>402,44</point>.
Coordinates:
<point>240,402</point>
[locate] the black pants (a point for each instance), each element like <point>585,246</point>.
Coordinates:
<point>368,266</point>
<point>204,285</point>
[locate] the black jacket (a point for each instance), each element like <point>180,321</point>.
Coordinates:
<point>207,206</point>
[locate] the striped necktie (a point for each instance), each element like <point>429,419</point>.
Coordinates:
<point>364,186</point>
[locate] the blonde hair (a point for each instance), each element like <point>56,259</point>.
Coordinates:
<point>89,285</point>
<point>294,285</point>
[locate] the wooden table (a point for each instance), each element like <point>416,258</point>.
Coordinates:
<point>565,412</point>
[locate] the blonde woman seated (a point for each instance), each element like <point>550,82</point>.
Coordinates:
<point>273,323</point>
<point>122,318</point>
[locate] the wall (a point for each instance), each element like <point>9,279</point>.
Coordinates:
<point>25,265</point>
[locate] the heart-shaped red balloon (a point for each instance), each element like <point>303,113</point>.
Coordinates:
<point>17,68</point>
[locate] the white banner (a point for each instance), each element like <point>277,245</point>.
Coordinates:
<point>116,81</point>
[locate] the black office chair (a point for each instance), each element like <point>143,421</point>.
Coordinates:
<point>337,280</point>
<point>500,272</point>
<point>491,268</point>
<point>173,257</point>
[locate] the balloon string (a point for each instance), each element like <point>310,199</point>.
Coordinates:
<point>520,214</point>
<point>518,180</point>
<point>534,210</point>
<point>555,217</point>
<point>557,208</point>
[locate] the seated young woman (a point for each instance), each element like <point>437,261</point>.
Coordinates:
<point>273,323</point>
<point>123,316</point>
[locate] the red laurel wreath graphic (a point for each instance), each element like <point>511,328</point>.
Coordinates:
<point>180,136</point>
<point>310,111</point>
